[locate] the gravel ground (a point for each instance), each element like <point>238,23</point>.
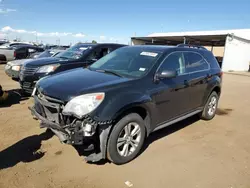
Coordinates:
<point>192,153</point>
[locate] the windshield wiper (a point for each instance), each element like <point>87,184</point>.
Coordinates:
<point>109,71</point>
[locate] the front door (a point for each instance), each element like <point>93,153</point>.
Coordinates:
<point>171,97</point>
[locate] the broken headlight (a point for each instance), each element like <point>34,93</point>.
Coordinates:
<point>83,104</point>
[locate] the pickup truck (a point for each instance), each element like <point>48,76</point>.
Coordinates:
<point>18,52</point>
<point>7,55</point>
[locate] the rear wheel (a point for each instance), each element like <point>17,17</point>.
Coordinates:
<point>126,139</point>
<point>210,108</point>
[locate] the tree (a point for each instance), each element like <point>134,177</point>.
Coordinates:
<point>93,41</point>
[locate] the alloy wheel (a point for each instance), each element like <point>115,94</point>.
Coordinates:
<point>129,139</point>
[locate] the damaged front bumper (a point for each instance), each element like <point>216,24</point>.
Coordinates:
<point>70,130</point>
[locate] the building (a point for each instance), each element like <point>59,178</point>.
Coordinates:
<point>231,47</point>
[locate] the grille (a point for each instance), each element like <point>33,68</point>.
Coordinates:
<point>26,84</point>
<point>49,110</point>
<point>28,70</point>
<point>27,87</point>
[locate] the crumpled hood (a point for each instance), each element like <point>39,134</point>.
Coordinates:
<point>68,84</point>
<point>44,61</point>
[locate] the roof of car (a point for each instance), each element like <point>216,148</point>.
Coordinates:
<point>25,45</point>
<point>159,48</point>
<point>99,44</point>
<point>164,48</point>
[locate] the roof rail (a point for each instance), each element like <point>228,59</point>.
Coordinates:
<point>191,46</point>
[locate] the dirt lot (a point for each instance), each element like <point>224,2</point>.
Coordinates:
<point>193,153</point>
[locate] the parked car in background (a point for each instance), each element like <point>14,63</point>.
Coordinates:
<point>10,44</point>
<point>26,51</point>
<point>80,55</point>
<point>12,68</point>
<point>3,42</point>
<point>20,51</point>
<point>47,53</point>
<point>114,104</point>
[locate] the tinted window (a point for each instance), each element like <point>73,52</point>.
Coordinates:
<point>174,62</point>
<point>128,61</point>
<point>195,62</point>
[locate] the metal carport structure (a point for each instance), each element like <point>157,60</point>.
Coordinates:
<point>234,45</point>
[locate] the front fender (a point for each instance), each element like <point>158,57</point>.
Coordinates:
<point>118,104</point>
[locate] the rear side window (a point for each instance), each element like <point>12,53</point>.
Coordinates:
<point>195,62</point>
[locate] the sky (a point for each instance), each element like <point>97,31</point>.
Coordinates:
<point>71,21</point>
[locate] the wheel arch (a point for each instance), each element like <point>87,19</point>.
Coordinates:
<point>141,110</point>
<point>216,88</point>
<point>3,58</point>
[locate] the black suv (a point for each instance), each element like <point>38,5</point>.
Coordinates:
<point>114,104</point>
<point>80,55</point>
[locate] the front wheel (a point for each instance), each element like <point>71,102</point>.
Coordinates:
<point>210,108</point>
<point>126,139</point>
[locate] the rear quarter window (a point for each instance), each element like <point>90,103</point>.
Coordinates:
<point>211,60</point>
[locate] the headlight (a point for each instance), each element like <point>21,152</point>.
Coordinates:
<point>84,104</point>
<point>16,68</point>
<point>48,68</point>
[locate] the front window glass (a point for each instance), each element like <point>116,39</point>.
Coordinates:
<point>174,62</point>
<point>75,52</point>
<point>128,61</point>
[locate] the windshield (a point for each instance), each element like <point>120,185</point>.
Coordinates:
<point>45,54</point>
<point>75,52</point>
<point>128,61</point>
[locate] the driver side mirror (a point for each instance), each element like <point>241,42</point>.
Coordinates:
<point>166,74</point>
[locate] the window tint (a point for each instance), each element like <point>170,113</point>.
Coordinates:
<point>195,62</point>
<point>174,62</point>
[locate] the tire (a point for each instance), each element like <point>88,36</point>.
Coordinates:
<point>129,145</point>
<point>207,113</point>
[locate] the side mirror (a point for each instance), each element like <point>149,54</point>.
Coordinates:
<point>166,74</point>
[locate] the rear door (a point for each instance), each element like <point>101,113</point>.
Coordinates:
<point>199,74</point>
